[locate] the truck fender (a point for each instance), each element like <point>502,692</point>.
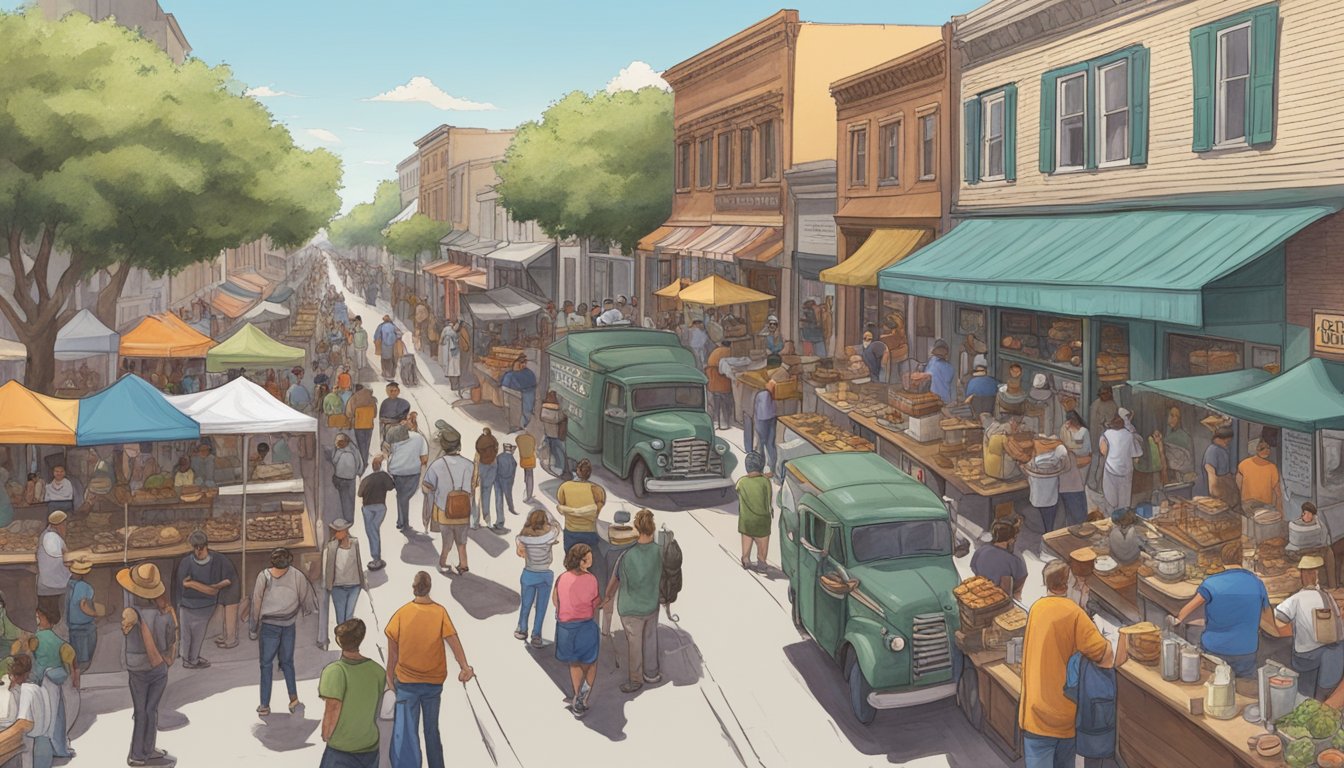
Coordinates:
<point>863,643</point>
<point>642,451</point>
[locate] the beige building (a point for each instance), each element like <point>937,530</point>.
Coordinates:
<point>145,16</point>
<point>408,179</point>
<point>445,148</point>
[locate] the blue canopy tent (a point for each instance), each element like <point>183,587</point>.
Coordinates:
<point>131,411</point>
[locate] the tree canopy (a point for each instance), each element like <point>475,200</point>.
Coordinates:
<point>116,156</point>
<point>363,226</point>
<point>596,166</point>
<point>416,235</point>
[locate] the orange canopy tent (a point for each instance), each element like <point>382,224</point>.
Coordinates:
<point>34,419</point>
<point>164,335</point>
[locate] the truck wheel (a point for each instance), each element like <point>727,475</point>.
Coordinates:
<point>639,477</point>
<point>968,695</point>
<point>859,689</point>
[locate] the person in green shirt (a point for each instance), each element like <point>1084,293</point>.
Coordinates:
<point>637,576</point>
<point>352,688</point>
<point>753,510</point>
<point>53,664</point>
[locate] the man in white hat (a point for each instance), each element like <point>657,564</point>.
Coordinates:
<point>151,645</point>
<point>1318,660</point>
<point>53,570</point>
<point>343,570</point>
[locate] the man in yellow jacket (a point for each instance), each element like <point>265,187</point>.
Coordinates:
<point>362,411</point>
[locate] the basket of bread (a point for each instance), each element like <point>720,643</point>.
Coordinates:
<point>980,600</point>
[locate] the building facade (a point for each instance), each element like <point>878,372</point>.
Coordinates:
<point>408,179</point>
<point>443,149</point>
<point>146,16</point>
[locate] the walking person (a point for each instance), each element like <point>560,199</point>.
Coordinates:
<point>81,614</point>
<point>527,461</point>
<point>448,484</point>
<point>535,544</point>
<point>359,340</point>
<point>53,558</point>
<point>362,412</point>
<point>580,501</point>
<point>53,665</point>
<point>351,689</point>
<point>393,410</point>
<point>200,578</point>
<point>150,628</point>
<point>754,511</point>
<point>637,577</point>
<point>506,469</point>
<point>280,594</point>
<point>406,463</point>
<point>373,491</point>
<point>577,638</point>
<point>346,467</point>
<point>763,425</point>
<point>343,570</point>
<point>720,387</point>
<point>385,338</point>
<point>417,666</point>
<point>555,427</point>
<point>1318,660</point>
<point>31,709</point>
<point>487,449</point>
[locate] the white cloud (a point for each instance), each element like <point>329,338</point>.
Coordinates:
<point>376,162</point>
<point>638,75</point>
<point>356,130</point>
<point>265,92</point>
<point>323,135</point>
<point>422,89</point>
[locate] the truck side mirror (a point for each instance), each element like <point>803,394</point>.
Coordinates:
<point>962,548</point>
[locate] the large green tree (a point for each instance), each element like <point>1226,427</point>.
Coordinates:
<point>597,166</point>
<point>112,156</point>
<point>417,235</point>
<point>365,224</point>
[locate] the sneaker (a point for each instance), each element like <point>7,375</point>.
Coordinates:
<point>519,634</point>
<point>377,565</point>
<point>630,687</point>
<point>656,679</point>
<point>294,704</point>
<point>579,708</point>
<point>157,754</point>
<point>188,665</point>
<point>202,663</point>
<point>263,710</point>
<point>131,761</point>
<point>537,642</point>
<point>584,691</point>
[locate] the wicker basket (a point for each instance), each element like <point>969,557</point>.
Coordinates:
<point>979,618</point>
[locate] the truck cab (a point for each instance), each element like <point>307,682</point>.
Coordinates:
<point>868,553</point>
<point>636,404</point>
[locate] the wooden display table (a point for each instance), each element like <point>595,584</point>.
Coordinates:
<point>1156,730</point>
<point>490,389</point>
<point>810,434</point>
<point>1118,594</point>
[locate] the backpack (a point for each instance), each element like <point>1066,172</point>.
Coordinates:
<point>669,585</point>
<point>1093,690</point>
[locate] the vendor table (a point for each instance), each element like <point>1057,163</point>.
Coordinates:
<point>490,389</point>
<point>1000,692</point>
<point>1118,594</point>
<point>1156,730</point>
<point>794,429</point>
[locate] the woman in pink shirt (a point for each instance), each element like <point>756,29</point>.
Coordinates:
<point>576,635</point>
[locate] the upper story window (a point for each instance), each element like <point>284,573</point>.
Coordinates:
<point>746,151</point>
<point>724,167</point>
<point>704,162</point>
<point>858,156</point>
<point>769,151</point>
<point>889,147</point>
<point>989,129</point>
<point>928,147</point>
<point>684,165</point>
<point>992,138</point>
<point>1235,63</point>
<point>1094,113</point>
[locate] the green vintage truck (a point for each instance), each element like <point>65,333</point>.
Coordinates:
<point>868,553</point>
<point>636,405</point>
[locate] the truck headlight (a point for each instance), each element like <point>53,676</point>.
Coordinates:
<point>720,448</point>
<point>898,643</point>
<point>662,460</point>
<point>657,445</point>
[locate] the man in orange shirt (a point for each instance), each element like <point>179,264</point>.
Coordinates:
<point>1258,477</point>
<point>1056,629</point>
<point>416,669</point>
<point>720,387</point>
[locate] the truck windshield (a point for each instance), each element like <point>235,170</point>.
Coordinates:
<point>671,396</point>
<point>909,538</point>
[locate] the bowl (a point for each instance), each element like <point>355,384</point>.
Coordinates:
<point>1106,564</point>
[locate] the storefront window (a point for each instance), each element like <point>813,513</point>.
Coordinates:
<point>1056,341</point>
<point>1113,356</point>
<point>1197,356</point>
<point>1331,468</point>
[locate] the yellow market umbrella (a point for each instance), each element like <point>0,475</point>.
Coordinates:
<point>716,291</point>
<point>672,289</point>
<point>31,418</point>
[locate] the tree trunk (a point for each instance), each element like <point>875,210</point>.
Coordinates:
<point>40,373</point>
<point>105,309</point>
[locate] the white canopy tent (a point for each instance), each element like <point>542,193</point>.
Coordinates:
<point>85,336</point>
<point>12,350</point>
<point>265,312</point>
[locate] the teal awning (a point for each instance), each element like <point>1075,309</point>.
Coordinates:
<point>1149,265</point>
<point>1199,390</point>
<point>1306,398</point>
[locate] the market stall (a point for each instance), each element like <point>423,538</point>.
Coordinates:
<point>82,341</point>
<point>250,347</point>
<point>491,367</point>
<point>503,316</point>
<point>164,349</point>
<point>266,312</point>
<point>720,303</point>
<point>823,434</point>
<point>13,358</point>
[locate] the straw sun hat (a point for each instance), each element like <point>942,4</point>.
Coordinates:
<point>142,580</point>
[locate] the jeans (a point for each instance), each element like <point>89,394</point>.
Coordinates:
<point>721,412</point>
<point>556,448</point>
<point>503,495</point>
<point>1075,506</point>
<point>413,700</point>
<point>373,528</point>
<point>764,430</point>
<point>335,758</point>
<point>345,491</point>
<point>194,623</point>
<point>406,485</point>
<point>343,601</point>
<point>1242,664</point>
<point>1047,752</point>
<point>529,404</point>
<point>1048,517</point>
<point>52,681</point>
<point>277,641</point>
<point>146,692</point>
<point>84,639</point>
<point>363,438</point>
<point>487,474</point>
<point>1319,670</point>
<point>536,589</point>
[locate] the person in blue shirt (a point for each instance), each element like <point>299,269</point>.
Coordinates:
<point>524,380</point>
<point>80,614</point>
<point>981,391</point>
<point>340,312</point>
<point>1234,602</point>
<point>385,338</point>
<point>940,371</point>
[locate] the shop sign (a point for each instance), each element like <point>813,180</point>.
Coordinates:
<point>816,234</point>
<point>571,378</point>
<point>746,201</point>
<point>1327,333</point>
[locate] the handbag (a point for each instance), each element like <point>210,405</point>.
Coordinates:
<point>1326,620</point>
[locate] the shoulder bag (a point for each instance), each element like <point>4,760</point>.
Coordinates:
<point>1326,620</point>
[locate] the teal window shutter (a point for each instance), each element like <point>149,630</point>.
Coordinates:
<point>1202,59</point>
<point>1049,91</point>
<point>1010,132</point>
<point>1090,119</point>
<point>1264,63</point>
<point>970,130</point>
<point>1138,107</point>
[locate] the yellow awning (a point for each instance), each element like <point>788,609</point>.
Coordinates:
<point>882,249</point>
<point>36,419</point>
<point>672,289</point>
<point>716,291</point>
<point>650,241</point>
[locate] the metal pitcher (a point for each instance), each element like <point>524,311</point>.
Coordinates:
<point>1171,659</point>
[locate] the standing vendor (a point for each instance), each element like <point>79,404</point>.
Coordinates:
<point>1257,478</point>
<point>998,562</point>
<point>942,377</point>
<point>1319,666</point>
<point>981,390</point>
<point>1176,448</point>
<point>874,354</point>
<point>1234,602</point>
<point>60,491</point>
<point>1121,445</point>
<point>1214,477</point>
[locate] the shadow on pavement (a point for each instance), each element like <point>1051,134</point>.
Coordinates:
<point>902,735</point>
<point>419,550</point>
<point>285,732</point>
<point>494,544</point>
<point>482,598</point>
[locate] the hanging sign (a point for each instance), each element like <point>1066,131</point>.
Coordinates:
<point>1327,334</point>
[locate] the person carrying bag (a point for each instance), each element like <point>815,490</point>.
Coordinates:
<point>1311,618</point>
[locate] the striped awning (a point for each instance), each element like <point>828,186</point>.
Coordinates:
<point>722,242</point>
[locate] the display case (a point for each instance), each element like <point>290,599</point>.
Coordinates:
<point>1198,356</point>
<point>1049,339</point>
<point>1113,353</point>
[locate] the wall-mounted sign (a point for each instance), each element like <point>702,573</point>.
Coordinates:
<point>816,234</point>
<point>746,201</point>
<point>1327,333</point>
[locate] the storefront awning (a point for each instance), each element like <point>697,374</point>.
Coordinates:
<point>764,248</point>
<point>460,273</point>
<point>678,237</point>
<point>250,279</point>
<point>650,241</point>
<point>267,311</point>
<point>1151,264</point>
<point>459,240</point>
<point>479,248</point>
<point>85,336</point>
<point>164,335</point>
<point>406,213</point>
<point>717,291</point>
<point>1199,390</point>
<point>882,249</point>
<point>1305,398</point>
<point>29,418</point>
<point>521,254</point>
<point>722,241</point>
<point>503,304</point>
<point>229,305</point>
<point>238,290</point>
<point>281,294</point>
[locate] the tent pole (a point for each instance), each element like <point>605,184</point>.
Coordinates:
<point>126,539</point>
<point>243,518</point>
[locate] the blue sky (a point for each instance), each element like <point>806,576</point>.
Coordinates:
<point>517,56</point>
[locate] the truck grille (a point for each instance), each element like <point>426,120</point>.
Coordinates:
<point>694,457</point>
<point>930,651</point>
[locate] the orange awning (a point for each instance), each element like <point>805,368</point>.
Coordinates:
<point>229,305</point>
<point>251,279</point>
<point>650,241</point>
<point>763,248</point>
<point>441,268</point>
<point>34,419</point>
<point>164,335</point>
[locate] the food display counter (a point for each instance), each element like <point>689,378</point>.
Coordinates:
<point>823,434</point>
<point>1117,591</point>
